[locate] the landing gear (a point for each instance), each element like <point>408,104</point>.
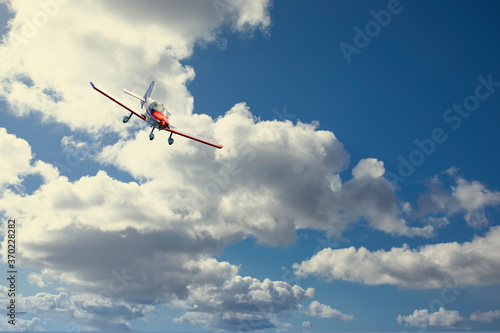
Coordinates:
<point>170,139</point>
<point>151,135</point>
<point>127,118</point>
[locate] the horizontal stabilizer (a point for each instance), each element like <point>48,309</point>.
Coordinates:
<point>134,95</point>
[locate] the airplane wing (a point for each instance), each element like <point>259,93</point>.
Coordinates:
<point>117,101</point>
<point>192,137</point>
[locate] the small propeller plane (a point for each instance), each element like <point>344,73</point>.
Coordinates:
<point>155,114</point>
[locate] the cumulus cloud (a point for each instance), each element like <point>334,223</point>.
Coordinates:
<point>107,238</point>
<point>22,325</point>
<point>369,195</point>
<point>242,190</point>
<point>212,293</point>
<point>431,266</point>
<point>84,312</point>
<point>485,317</point>
<point>234,321</point>
<point>247,186</point>
<point>442,318</point>
<point>270,179</point>
<point>368,168</point>
<point>159,227</point>
<point>246,294</point>
<point>316,309</point>
<point>155,227</point>
<point>470,198</point>
<point>243,303</point>
<point>16,157</point>
<point>36,279</point>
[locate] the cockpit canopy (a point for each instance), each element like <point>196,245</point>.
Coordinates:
<point>157,106</point>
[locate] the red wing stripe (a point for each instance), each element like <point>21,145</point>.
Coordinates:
<point>114,99</point>
<point>192,137</point>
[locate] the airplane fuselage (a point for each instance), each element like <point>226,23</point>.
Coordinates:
<point>156,114</point>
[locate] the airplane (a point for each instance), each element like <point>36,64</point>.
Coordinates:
<point>155,114</point>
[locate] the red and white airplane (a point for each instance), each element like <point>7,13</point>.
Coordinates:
<point>155,114</point>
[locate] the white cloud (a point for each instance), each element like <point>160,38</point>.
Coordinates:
<point>247,186</point>
<point>16,157</point>
<point>242,303</point>
<point>22,325</point>
<point>246,294</point>
<point>468,197</point>
<point>147,228</point>
<point>485,317</point>
<point>306,323</point>
<point>368,167</point>
<point>215,297</point>
<point>36,279</point>
<point>81,312</point>
<point>369,195</point>
<point>442,318</point>
<point>316,309</point>
<point>234,322</point>
<point>251,14</point>
<point>432,266</point>
<point>265,165</point>
<point>101,217</point>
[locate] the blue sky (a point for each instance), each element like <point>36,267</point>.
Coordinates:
<point>351,194</point>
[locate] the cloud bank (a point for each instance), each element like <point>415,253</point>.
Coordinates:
<point>474,263</point>
<point>485,317</point>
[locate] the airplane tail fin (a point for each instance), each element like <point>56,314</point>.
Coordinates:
<point>148,92</point>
